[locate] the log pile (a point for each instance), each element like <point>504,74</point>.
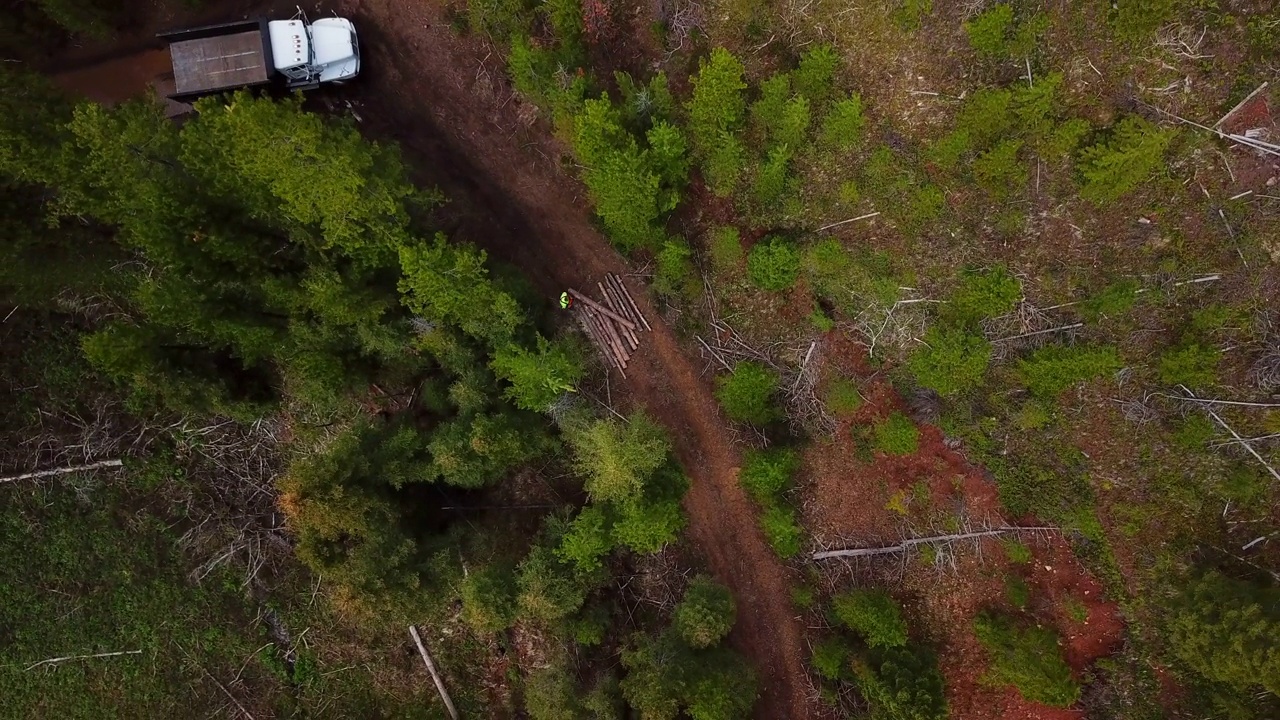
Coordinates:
<point>614,324</point>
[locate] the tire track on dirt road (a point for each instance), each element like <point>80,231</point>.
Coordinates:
<point>446,100</point>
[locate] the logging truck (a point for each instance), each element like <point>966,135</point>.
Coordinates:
<point>295,54</point>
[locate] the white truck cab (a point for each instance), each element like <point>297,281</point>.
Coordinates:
<point>307,54</point>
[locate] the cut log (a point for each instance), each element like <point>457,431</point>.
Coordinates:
<point>617,281</point>
<point>601,309</point>
<point>616,306</point>
<point>610,285</point>
<point>608,342</point>
<point>619,345</point>
<point>597,337</point>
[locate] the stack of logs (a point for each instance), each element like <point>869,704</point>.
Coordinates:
<point>612,326</point>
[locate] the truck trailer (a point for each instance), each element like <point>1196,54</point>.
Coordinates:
<point>295,54</point>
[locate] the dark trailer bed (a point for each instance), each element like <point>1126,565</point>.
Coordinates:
<point>214,58</point>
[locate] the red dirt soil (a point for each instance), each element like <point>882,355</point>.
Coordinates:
<point>445,99</point>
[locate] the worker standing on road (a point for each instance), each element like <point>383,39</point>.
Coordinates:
<point>566,302</point>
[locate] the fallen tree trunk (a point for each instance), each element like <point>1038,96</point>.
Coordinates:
<point>431,668</point>
<point>908,544</point>
<point>63,471</point>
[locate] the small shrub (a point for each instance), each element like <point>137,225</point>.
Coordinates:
<point>897,435</point>
<point>793,124</point>
<point>746,394</point>
<point>771,179</point>
<point>1016,550</point>
<point>717,104</point>
<point>675,275</point>
<point>989,31</point>
<point>1195,432</point>
<point>1033,416</point>
<point>950,361</point>
<point>773,264</point>
<point>842,127</point>
<point>766,474</point>
<point>1115,166</point>
<point>998,170</point>
<point>587,540</point>
<point>768,109</point>
<point>815,73</point>
<point>903,683</point>
<point>1076,610</point>
<point>1054,368</point>
<point>803,597</point>
<point>489,598</point>
<point>781,530</point>
<point>842,397</point>
<point>1017,591</point>
<point>589,628</point>
<point>1028,659</point>
<point>874,615</point>
<point>549,694</point>
<point>831,657</point>
<point>910,14</point>
<point>1135,20</point>
<point>820,322</point>
<point>648,527</point>
<point>705,614</point>
<point>983,294</point>
<point>723,166</point>
<point>726,250</point>
<point>1115,300</point>
<point>1193,365</point>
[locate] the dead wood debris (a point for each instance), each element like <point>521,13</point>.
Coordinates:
<point>613,325</point>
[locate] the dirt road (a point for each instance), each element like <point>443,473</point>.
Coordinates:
<point>446,100</point>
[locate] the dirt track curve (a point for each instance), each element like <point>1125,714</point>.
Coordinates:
<point>446,100</point>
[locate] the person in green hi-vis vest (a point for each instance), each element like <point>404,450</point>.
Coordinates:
<point>565,301</point>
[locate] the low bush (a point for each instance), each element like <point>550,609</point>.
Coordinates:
<point>1029,659</point>
<point>1115,300</point>
<point>772,178</point>
<point>773,264</point>
<point>897,435</point>
<point>550,590</point>
<point>723,166</point>
<point>1193,365</point>
<point>766,474</point>
<point>982,294</point>
<point>1224,629</point>
<point>950,361</point>
<point>874,615</point>
<point>903,683</point>
<point>705,614</point>
<point>676,276</point>
<point>725,249</point>
<point>842,126</point>
<point>1054,368</point>
<point>489,598</point>
<point>747,393</point>
<point>1132,152</point>
<point>1016,550</point>
<point>831,657</point>
<point>989,31</point>
<point>999,172</point>
<point>781,530</point>
<point>1017,592</point>
<point>587,540</point>
<point>814,75</point>
<point>550,694</point>
<point>842,397</point>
